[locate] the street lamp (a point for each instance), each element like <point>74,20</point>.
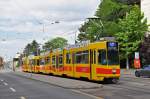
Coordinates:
<point>44,24</point>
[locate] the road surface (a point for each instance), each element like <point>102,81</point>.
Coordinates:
<point>127,88</point>
<point>17,87</point>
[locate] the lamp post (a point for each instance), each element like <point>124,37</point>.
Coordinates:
<point>44,25</point>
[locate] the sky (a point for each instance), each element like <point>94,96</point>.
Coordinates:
<point>21,21</point>
<point>145,7</point>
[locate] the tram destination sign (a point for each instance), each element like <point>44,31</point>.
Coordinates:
<point>112,45</point>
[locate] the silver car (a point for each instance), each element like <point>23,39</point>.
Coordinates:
<point>145,72</point>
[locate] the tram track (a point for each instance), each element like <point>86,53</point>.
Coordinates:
<point>134,89</point>
<point>139,80</point>
<point>131,86</point>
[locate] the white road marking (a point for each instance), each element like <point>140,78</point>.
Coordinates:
<point>5,84</point>
<point>22,97</point>
<point>92,96</point>
<point>12,89</point>
<point>2,80</point>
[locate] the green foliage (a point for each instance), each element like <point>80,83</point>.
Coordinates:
<point>132,29</point>
<point>31,47</point>
<point>55,43</point>
<point>119,18</point>
<point>109,12</point>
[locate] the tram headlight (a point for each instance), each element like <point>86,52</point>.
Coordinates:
<point>114,71</point>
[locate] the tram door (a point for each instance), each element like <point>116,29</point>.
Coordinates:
<point>92,63</point>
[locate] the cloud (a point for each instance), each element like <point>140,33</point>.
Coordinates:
<point>21,21</point>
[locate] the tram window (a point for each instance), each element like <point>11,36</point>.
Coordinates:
<point>85,57</point>
<point>68,58</point>
<point>78,57</point>
<point>60,59</point>
<point>38,62</point>
<point>82,57</point>
<point>73,58</point>
<point>53,60</point>
<point>94,57</point>
<point>42,61</point>
<point>33,62</point>
<point>91,56</point>
<point>57,60</point>
<point>47,60</point>
<point>102,57</point>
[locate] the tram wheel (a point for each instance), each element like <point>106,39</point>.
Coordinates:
<point>115,80</point>
<point>112,80</point>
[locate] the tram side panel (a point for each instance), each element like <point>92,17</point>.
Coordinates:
<point>47,64</point>
<point>105,67</point>
<point>81,64</point>
<point>68,63</point>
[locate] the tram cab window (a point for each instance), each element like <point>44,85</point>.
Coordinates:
<point>68,58</point>
<point>113,54</point>
<point>60,59</point>
<point>102,57</point>
<point>113,57</point>
<point>82,57</point>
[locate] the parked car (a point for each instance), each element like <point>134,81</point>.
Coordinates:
<point>145,71</point>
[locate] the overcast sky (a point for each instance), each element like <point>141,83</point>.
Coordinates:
<point>21,21</point>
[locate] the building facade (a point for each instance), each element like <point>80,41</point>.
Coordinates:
<point>145,7</point>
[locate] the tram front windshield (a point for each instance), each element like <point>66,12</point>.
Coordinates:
<point>112,53</point>
<point>113,57</point>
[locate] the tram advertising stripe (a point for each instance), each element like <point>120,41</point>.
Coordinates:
<point>83,69</point>
<point>67,68</point>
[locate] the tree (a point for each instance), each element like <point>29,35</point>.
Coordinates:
<point>32,47</point>
<point>55,43</point>
<point>27,49</point>
<point>109,11</point>
<point>132,29</point>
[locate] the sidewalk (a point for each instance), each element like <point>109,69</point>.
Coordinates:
<point>61,82</point>
<point>128,73</point>
<point>5,70</point>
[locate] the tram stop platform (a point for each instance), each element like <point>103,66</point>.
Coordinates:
<point>67,83</point>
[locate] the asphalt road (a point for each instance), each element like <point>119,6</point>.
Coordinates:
<point>17,87</point>
<point>127,88</point>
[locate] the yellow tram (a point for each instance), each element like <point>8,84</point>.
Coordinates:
<point>95,61</point>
